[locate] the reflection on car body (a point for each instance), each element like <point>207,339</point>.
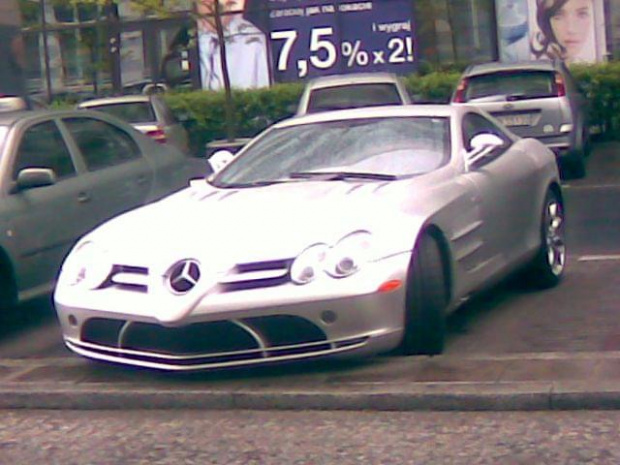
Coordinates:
<point>61,174</point>
<point>341,233</point>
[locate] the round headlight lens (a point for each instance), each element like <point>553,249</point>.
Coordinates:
<point>87,265</point>
<point>308,264</point>
<point>349,254</point>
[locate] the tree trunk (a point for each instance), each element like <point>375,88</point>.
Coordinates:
<point>228,103</point>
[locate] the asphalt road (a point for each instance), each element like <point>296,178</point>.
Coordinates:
<point>579,315</point>
<point>308,438</point>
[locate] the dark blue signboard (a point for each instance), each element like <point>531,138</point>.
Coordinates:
<point>310,38</point>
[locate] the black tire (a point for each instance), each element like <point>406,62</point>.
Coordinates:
<point>547,267</point>
<point>426,300</point>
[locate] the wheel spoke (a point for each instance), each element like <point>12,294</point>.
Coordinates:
<point>556,249</point>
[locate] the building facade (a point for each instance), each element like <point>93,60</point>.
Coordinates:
<point>85,49</point>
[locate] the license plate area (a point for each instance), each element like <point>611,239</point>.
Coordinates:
<point>518,119</point>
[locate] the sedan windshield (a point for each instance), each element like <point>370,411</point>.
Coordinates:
<point>374,149</point>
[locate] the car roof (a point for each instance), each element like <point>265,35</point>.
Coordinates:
<point>497,66</point>
<point>439,111</point>
<point>354,78</point>
<point>138,98</point>
<point>11,117</point>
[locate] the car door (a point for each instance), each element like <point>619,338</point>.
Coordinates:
<point>505,185</point>
<point>118,174</point>
<point>43,222</point>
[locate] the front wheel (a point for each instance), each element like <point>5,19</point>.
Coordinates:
<point>548,266</point>
<point>426,300</point>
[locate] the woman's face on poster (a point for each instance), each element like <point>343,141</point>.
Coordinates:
<point>571,25</point>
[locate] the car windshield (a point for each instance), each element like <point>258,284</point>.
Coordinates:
<point>132,112</point>
<point>366,149</point>
<point>513,84</point>
<point>353,96</point>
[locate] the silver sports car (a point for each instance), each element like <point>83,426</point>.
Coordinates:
<point>340,233</point>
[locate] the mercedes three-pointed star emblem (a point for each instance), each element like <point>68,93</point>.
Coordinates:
<point>184,275</point>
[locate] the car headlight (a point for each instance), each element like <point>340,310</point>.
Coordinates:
<point>87,265</point>
<point>308,264</point>
<point>349,254</point>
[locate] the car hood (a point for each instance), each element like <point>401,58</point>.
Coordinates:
<point>254,224</point>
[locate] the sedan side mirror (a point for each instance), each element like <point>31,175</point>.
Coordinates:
<point>483,145</point>
<point>29,178</point>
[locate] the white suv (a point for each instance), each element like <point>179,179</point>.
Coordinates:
<point>340,92</point>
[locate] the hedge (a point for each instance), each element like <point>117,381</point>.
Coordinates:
<point>256,109</point>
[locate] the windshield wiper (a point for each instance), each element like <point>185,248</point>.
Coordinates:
<point>341,175</point>
<point>242,185</point>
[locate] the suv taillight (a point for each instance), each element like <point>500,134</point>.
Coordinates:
<point>560,86</point>
<point>459,95</point>
<point>158,135</point>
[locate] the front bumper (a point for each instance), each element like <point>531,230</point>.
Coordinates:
<point>247,327</point>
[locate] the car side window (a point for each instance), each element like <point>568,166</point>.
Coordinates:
<point>474,124</point>
<point>102,144</point>
<point>42,146</point>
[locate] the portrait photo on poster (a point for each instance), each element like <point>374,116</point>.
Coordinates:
<point>568,30</point>
<point>245,44</point>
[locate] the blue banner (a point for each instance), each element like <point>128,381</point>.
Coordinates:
<point>309,38</point>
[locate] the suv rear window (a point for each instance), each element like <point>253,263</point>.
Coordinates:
<point>514,84</point>
<point>134,112</point>
<point>353,96</point>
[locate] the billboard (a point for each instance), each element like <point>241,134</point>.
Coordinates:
<point>289,40</point>
<point>569,30</point>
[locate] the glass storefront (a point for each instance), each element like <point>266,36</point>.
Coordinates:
<point>93,50</point>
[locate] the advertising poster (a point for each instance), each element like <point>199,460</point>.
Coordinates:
<point>569,30</point>
<point>290,40</point>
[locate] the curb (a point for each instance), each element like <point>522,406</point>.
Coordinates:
<point>405,398</point>
<point>516,382</point>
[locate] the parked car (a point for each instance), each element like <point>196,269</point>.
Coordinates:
<point>335,234</point>
<point>533,99</point>
<point>149,114</point>
<point>61,174</point>
<point>344,91</point>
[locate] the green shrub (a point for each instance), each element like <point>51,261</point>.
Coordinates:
<point>601,85</point>
<point>257,108</point>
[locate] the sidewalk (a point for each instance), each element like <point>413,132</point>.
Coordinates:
<point>548,381</point>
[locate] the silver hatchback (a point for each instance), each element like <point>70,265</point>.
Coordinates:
<point>537,99</point>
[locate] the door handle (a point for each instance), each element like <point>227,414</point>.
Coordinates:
<point>142,180</point>
<point>83,197</point>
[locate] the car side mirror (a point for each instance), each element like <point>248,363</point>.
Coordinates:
<point>483,145</point>
<point>220,159</point>
<point>30,178</point>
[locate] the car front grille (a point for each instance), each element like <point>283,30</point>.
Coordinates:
<point>218,343</point>
<point>257,275</point>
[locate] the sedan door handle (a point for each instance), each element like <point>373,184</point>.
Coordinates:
<point>83,197</point>
<point>143,180</point>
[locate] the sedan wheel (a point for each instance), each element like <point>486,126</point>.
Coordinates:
<point>426,300</point>
<point>548,266</point>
